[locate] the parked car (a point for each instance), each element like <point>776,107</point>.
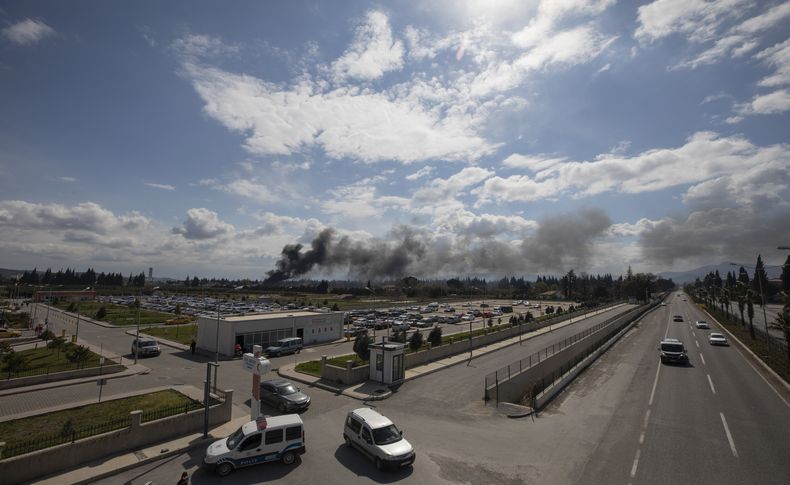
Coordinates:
<point>275,438</point>
<point>147,346</point>
<point>717,339</point>
<point>284,396</point>
<point>701,324</point>
<point>377,438</point>
<point>291,345</point>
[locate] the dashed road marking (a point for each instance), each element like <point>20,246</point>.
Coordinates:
<point>702,358</point>
<point>653,392</point>
<point>636,463</point>
<point>710,381</point>
<point>729,436</point>
<point>697,342</point>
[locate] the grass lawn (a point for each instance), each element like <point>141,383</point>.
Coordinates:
<point>182,333</point>
<point>118,314</point>
<point>8,334</point>
<point>43,360</point>
<point>312,368</point>
<point>44,426</point>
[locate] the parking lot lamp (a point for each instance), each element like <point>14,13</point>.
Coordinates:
<point>216,342</point>
<point>137,335</point>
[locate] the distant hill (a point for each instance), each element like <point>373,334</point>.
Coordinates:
<point>682,277</point>
<point>10,273</point>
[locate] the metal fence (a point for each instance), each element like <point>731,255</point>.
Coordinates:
<point>523,364</point>
<point>66,435</point>
<point>155,414</point>
<point>51,369</point>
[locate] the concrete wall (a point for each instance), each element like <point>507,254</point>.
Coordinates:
<point>514,388</point>
<point>52,460</point>
<point>60,376</point>
<point>346,376</point>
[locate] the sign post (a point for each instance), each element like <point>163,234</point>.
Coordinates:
<point>257,365</point>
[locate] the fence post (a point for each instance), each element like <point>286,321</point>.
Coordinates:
<point>73,435</point>
<point>2,445</point>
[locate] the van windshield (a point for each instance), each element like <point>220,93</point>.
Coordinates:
<point>387,435</point>
<point>235,439</point>
<point>672,347</point>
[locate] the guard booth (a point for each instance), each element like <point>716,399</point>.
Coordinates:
<point>387,361</point>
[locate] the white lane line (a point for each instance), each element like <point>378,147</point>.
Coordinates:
<point>697,342</point>
<point>636,462</point>
<point>710,381</point>
<point>653,392</point>
<point>729,436</point>
<point>642,438</point>
<point>702,357</point>
<point>647,418</point>
<point>692,332</point>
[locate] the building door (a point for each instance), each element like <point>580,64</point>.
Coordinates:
<point>300,333</point>
<point>397,367</point>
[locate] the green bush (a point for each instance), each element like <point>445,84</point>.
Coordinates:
<point>101,313</point>
<point>415,342</point>
<point>361,344</point>
<point>435,336</point>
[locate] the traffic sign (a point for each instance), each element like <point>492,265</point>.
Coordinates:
<point>256,365</point>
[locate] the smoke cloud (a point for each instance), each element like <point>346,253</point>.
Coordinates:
<point>559,243</point>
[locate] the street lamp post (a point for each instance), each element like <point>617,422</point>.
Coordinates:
<point>216,342</point>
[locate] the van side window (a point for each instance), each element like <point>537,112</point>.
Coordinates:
<point>251,442</point>
<point>353,424</point>
<point>293,433</point>
<point>366,435</point>
<point>274,436</point>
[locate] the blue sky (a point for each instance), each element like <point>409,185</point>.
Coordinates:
<point>440,137</point>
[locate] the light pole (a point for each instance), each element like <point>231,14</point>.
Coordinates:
<point>137,336</point>
<point>216,342</point>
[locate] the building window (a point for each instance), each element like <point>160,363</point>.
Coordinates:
<point>379,362</point>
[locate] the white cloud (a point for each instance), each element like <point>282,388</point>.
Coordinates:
<point>288,167</point>
<point>28,32</point>
<point>202,223</point>
<point>86,216</point>
<point>346,122</point>
<point>250,188</point>
<point>699,20</point>
<point>704,156</point>
<point>532,163</point>
<point>441,191</point>
<point>423,172</point>
<point>626,229</point>
<point>778,57</point>
<point>198,46</point>
<point>67,179</point>
<point>462,223</point>
<point>276,224</point>
<point>160,186</point>
<point>372,52</point>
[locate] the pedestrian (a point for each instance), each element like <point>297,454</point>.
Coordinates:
<point>184,479</point>
<point>192,346</point>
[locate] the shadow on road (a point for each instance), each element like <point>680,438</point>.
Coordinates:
<point>362,467</point>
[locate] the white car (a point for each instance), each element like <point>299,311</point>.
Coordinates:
<point>717,339</point>
<point>701,324</point>
<point>377,438</point>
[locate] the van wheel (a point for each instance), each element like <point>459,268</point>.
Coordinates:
<point>224,469</point>
<point>288,458</point>
<point>348,440</point>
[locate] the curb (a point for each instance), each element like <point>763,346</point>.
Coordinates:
<point>165,342</point>
<point>70,382</point>
<point>743,346</point>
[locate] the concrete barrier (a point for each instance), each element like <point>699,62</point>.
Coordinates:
<point>138,435</point>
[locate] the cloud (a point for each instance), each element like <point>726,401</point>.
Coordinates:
<point>67,179</point>
<point>372,53</point>
<point>704,156</point>
<point>86,216</point>
<point>28,32</point>
<point>765,104</point>
<point>532,163</point>
<point>778,57</point>
<point>160,186</point>
<point>465,224</point>
<point>440,191</point>
<point>423,172</point>
<point>202,223</point>
<point>249,187</point>
<point>198,46</point>
<point>699,20</point>
<point>566,240</point>
<point>276,224</point>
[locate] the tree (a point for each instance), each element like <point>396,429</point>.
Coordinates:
<point>740,294</point>
<point>56,343</point>
<point>435,336</point>
<point>750,311</point>
<point>415,341</point>
<point>78,354</point>
<point>177,310</point>
<point>782,321</point>
<point>335,308</point>
<point>14,361</point>
<point>72,306</point>
<point>46,335</point>
<point>760,280</point>
<point>399,336</point>
<point>786,276</point>
<point>102,312</point>
<point>361,344</point>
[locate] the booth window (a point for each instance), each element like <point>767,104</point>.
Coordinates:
<point>379,362</point>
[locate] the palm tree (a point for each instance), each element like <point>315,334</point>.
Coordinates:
<point>782,322</point>
<point>750,311</point>
<point>740,294</point>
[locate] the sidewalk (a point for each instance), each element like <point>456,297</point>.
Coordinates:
<point>103,468</point>
<point>373,391</point>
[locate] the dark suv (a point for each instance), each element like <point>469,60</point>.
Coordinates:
<point>284,396</point>
<point>147,346</point>
<point>673,351</point>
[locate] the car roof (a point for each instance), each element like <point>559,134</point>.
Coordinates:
<point>272,421</point>
<point>714,334</point>
<point>671,341</point>
<point>372,418</point>
<point>277,382</point>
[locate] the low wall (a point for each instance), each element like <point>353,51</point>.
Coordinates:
<point>60,376</point>
<point>138,435</point>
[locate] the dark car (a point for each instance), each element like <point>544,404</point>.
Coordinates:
<point>284,396</point>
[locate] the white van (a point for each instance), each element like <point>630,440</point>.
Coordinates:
<point>268,439</point>
<point>377,438</point>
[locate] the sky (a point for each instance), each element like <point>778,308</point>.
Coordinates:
<point>431,139</point>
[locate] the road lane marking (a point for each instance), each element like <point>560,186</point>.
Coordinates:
<point>653,392</point>
<point>647,418</point>
<point>636,463</point>
<point>692,332</point>
<point>710,381</point>
<point>702,357</point>
<point>729,436</point>
<point>697,342</point>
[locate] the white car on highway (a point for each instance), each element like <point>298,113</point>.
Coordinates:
<point>717,339</point>
<point>701,324</point>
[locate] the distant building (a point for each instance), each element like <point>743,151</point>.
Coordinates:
<point>266,328</point>
<point>150,273</point>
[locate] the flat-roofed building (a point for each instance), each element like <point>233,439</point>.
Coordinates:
<point>266,328</point>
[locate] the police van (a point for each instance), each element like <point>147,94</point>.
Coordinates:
<point>267,439</point>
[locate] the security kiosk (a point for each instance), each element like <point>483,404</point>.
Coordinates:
<point>387,362</point>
